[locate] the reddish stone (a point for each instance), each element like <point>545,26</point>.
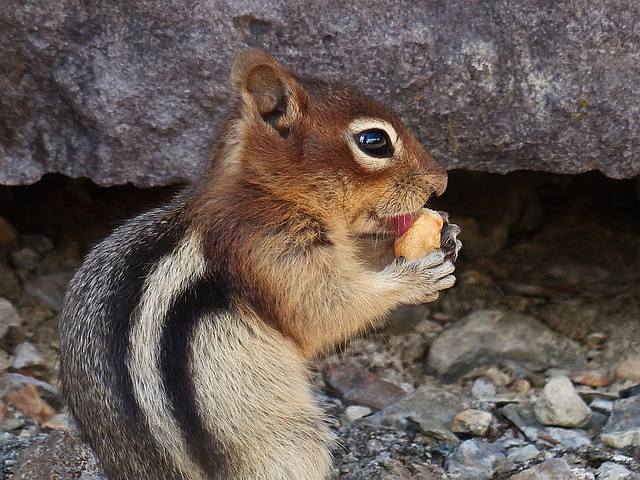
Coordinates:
<point>357,385</point>
<point>27,400</point>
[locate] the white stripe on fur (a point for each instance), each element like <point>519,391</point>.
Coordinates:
<point>172,275</point>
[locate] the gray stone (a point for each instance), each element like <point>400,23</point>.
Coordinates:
<point>560,405</point>
<point>623,427</point>
<point>50,288</point>
<point>133,91</point>
<point>404,319</point>
<point>568,437</point>
<point>523,454</point>
<point>28,359</point>
<point>475,459</point>
<point>13,423</point>
<point>25,258</point>
<point>431,409</point>
<point>60,455</point>
<point>604,406</point>
<point>516,456</point>
<point>483,387</point>
<point>613,471</point>
<point>551,469</point>
<point>522,416</point>
<point>10,325</point>
<point>488,337</point>
<point>38,243</point>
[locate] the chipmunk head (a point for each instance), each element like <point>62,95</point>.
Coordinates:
<point>327,148</point>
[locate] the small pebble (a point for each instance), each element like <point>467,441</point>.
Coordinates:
<point>431,409</point>
<point>415,349</point>
<point>428,327</point>
<point>473,422</point>
<point>592,379</point>
<point>515,456</point>
<point>521,386</point>
<point>12,382</point>
<point>374,445</point>
<point>12,423</point>
<point>25,259</point>
<point>363,387</point>
<point>614,471</point>
<point>623,427</point>
<point>38,243</point>
<point>551,469</point>
<point>50,288</point>
<point>483,387</point>
<point>523,418</point>
<point>560,405</point>
<point>28,401</point>
<point>475,459</point>
<point>499,378</point>
<point>523,454</point>
<point>29,361</point>
<point>356,412</point>
<point>600,405</point>
<point>58,421</point>
<point>10,325</point>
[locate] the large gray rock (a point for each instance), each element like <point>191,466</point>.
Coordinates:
<point>491,337</point>
<point>132,91</point>
<point>60,455</point>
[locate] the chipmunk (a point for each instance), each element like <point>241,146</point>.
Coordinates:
<point>185,336</point>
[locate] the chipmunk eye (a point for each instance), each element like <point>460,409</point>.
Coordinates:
<point>374,142</point>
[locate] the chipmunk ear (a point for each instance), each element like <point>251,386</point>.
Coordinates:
<point>270,90</point>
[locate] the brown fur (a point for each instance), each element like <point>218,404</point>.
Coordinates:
<point>292,193</point>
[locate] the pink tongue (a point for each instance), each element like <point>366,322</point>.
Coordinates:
<point>402,223</point>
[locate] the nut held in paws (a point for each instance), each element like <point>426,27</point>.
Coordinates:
<point>422,238</point>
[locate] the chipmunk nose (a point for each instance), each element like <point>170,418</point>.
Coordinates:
<point>437,181</point>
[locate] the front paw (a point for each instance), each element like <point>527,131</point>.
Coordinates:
<point>449,242</point>
<point>420,280</point>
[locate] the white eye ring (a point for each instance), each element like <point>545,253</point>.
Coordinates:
<point>372,160</point>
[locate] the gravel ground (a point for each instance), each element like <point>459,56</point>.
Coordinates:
<point>525,369</point>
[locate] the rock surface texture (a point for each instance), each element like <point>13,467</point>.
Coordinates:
<point>133,91</point>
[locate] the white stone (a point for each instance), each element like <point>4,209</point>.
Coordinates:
<point>560,405</point>
<point>356,412</point>
<point>613,471</point>
<point>621,439</point>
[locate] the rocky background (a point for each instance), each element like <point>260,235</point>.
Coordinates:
<point>526,369</point>
<point>133,91</point>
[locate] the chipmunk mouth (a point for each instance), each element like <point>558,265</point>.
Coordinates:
<point>401,223</point>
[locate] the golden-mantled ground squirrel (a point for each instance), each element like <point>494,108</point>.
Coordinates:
<point>186,333</point>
